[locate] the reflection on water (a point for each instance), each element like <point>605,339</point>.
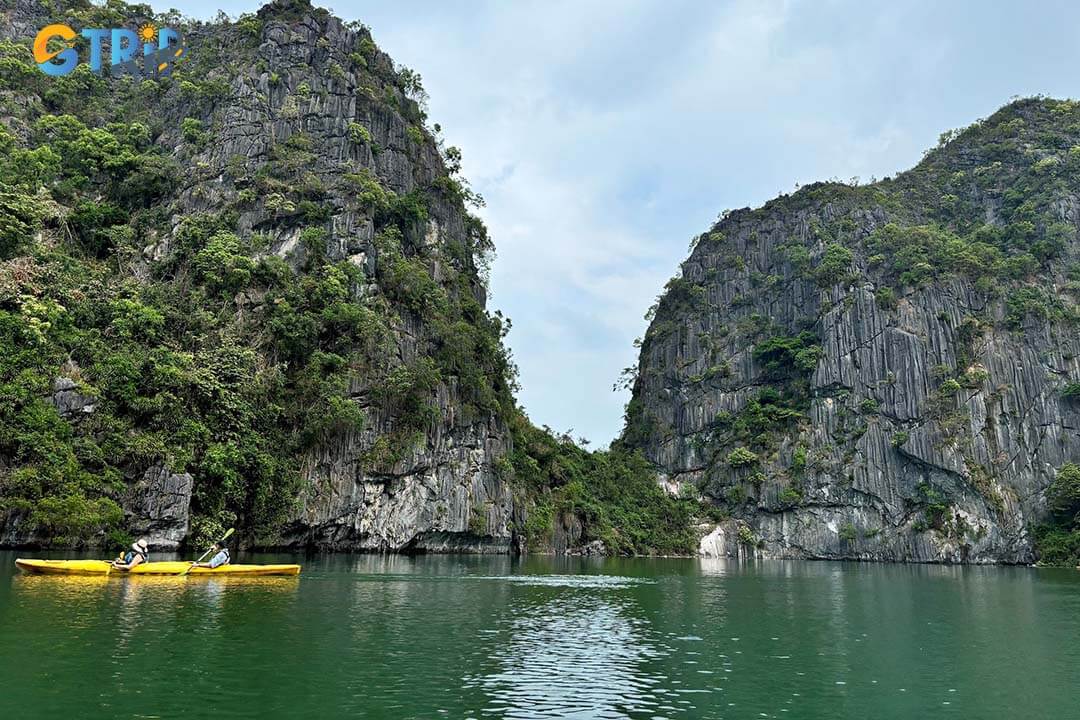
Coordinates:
<point>75,585</point>
<point>573,582</point>
<point>104,639</point>
<point>578,654</point>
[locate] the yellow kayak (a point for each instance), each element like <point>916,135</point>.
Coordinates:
<point>101,567</point>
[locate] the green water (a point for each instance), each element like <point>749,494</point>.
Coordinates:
<point>476,637</point>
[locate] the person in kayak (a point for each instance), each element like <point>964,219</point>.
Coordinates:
<point>137,555</point>
<point>221,557</point>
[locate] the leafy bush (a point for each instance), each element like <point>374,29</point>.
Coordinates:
<point>886,298</point>
<point>408,281</point>
<point>950,387</point>
<point>741,457</point>
<point>1028,302</point>
<point>1057,541</point>
<point>74,519</point>
<point>935,505</point>
<point>767,414</point>
<point>799,257</point>
<point>790,496</point>
<point>834,265</point>
<point>359,134</point>
<point>799,460</point>
<point>986,254</point>
<point>192,131</point>
<point>408,210</point>
<point>681,295</point>
<point>1055,545</point>
<point>19,217</point>
<point>222,266</point>
<point>369,192</point>
<point>784,357</point>
<point>1063,495</point>
<point>747,537</point>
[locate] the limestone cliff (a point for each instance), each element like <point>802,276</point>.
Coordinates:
<point>292,243</point>
<point>881,371</point>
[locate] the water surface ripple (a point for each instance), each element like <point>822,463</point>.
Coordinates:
<point>495,637</point>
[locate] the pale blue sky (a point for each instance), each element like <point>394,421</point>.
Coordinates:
<point>604,135</point>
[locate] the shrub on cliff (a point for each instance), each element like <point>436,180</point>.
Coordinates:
<point>784,357</point>
<point>614,493</point>
<point>1063,495</point>
<point>1057,541</point>
<point>834,265</point>
<point>741,457</point>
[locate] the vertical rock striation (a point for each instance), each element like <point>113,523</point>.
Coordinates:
<point>889,363</point>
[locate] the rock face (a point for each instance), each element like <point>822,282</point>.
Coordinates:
<point>442,498</point>
<point>68,400</point>
<point>924,411</point>
<point>444,494</point>
<point>157,507</point>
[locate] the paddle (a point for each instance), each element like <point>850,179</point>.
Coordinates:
<point>219,542</point>
<point>109,569</point>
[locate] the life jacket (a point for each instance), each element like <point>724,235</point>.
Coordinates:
<point>226,561</point>
<point>130,555</point>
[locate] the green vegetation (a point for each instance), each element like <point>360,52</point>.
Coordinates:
<point>219,358</point>
<point>359,134</point>
<point>741,457</point>
<point>1031,302</point>
<point>834,265</point>
<point>682,294</point>
<point>192,130</point>
<point>935,510</point>
<point>784,358</point>
<point>1057,541</point>
<point>787,361</point>
<point>747,536</point>
<point>886,298</point>
<point>177,380</point>
<point>761,420</point>
<point>614,493</point>
<point>916,255</point>
<point>790,497</point>
<point>799,460</point>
